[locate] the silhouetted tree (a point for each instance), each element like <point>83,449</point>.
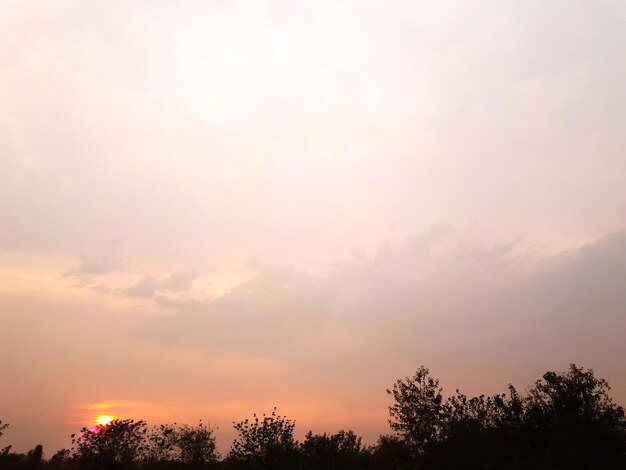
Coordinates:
<point>162,444</point>
<point>418,413</point>
<point>391,453</point>
<point>34,458</point>
<point>4,451</point>
<point>483,429</point>
<point>566,421</point>
<point>60,459</point>
<point>197,444</point>
<point>572,422</point>
<point>118,443</point>
<point>266,443</point>
<point>333,451</point>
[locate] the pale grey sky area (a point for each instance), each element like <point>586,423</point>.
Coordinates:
<point>209,209</point>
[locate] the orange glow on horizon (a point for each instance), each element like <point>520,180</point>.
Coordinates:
<point>103,420</point>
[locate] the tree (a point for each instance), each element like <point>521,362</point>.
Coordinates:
<point>572,421</point>
<point>418,412</point>
<point>3,428</point>
<point>192,445</point>
<point>197,444</point>
<point>120,442</point>
<point>482,430</point>
<point>60,458</point>
<point>566,421</point>
<point>162,444</point>
<point>266,443</point>
<point>391,453</point>
<point>332,451</point>
<point>34,458</point>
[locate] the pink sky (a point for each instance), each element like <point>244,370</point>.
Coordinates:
<point>208,209</point>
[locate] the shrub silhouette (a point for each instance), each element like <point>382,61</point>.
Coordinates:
<point>4,451</point>
<point>162,444</point>
<point>391,453</point>
<point>333,451</point>
<point>196,444</point>
<point>34,458</point>
<point>118,443</point>
<point>266,443</point>
<point>192,445</point>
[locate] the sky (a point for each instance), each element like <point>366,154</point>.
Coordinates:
<point>209,208</point>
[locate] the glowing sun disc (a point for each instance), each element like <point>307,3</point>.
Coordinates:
<point>103,420</point>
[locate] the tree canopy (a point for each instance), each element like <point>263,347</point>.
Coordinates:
<point>564,420</point>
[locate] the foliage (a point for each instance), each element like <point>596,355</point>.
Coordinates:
<point>4,451</point>
<point>481,429</point>
<point>566,420</point>
<point>197,444</point>
<point>418,412</point>
<point>193,445</point>
<point>390,453</point>
<point>34,457</point>
<point>266,443</point>
<point>161,444</point>
<point>120,442</point>
<point>341,450</point>
<point>571,420</point>
<point>60,458</point>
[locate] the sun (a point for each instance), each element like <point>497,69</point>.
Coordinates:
<point>103,420</point>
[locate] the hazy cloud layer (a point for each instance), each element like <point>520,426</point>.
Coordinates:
<point>150,286</point>
<point>204,135</point>
<point>408,302</point>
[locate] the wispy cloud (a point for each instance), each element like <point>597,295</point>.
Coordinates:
<point>428,291</point>
<point>96,266</point>
<point>150,286</point>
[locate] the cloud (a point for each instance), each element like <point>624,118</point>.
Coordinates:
<point>589,279</point>
<point>180,281</point>
<point>281,310</point>
<point>95,266</point>
<point>145,288</point>
<point>275,309</point>
<point>435,293</point>
<point>151,286</point>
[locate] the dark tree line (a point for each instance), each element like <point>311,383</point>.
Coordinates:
<point>564,421</point>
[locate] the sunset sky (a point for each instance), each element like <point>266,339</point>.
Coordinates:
<point>211,208</point>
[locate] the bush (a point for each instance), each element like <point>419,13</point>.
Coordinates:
<point>266,443</point>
